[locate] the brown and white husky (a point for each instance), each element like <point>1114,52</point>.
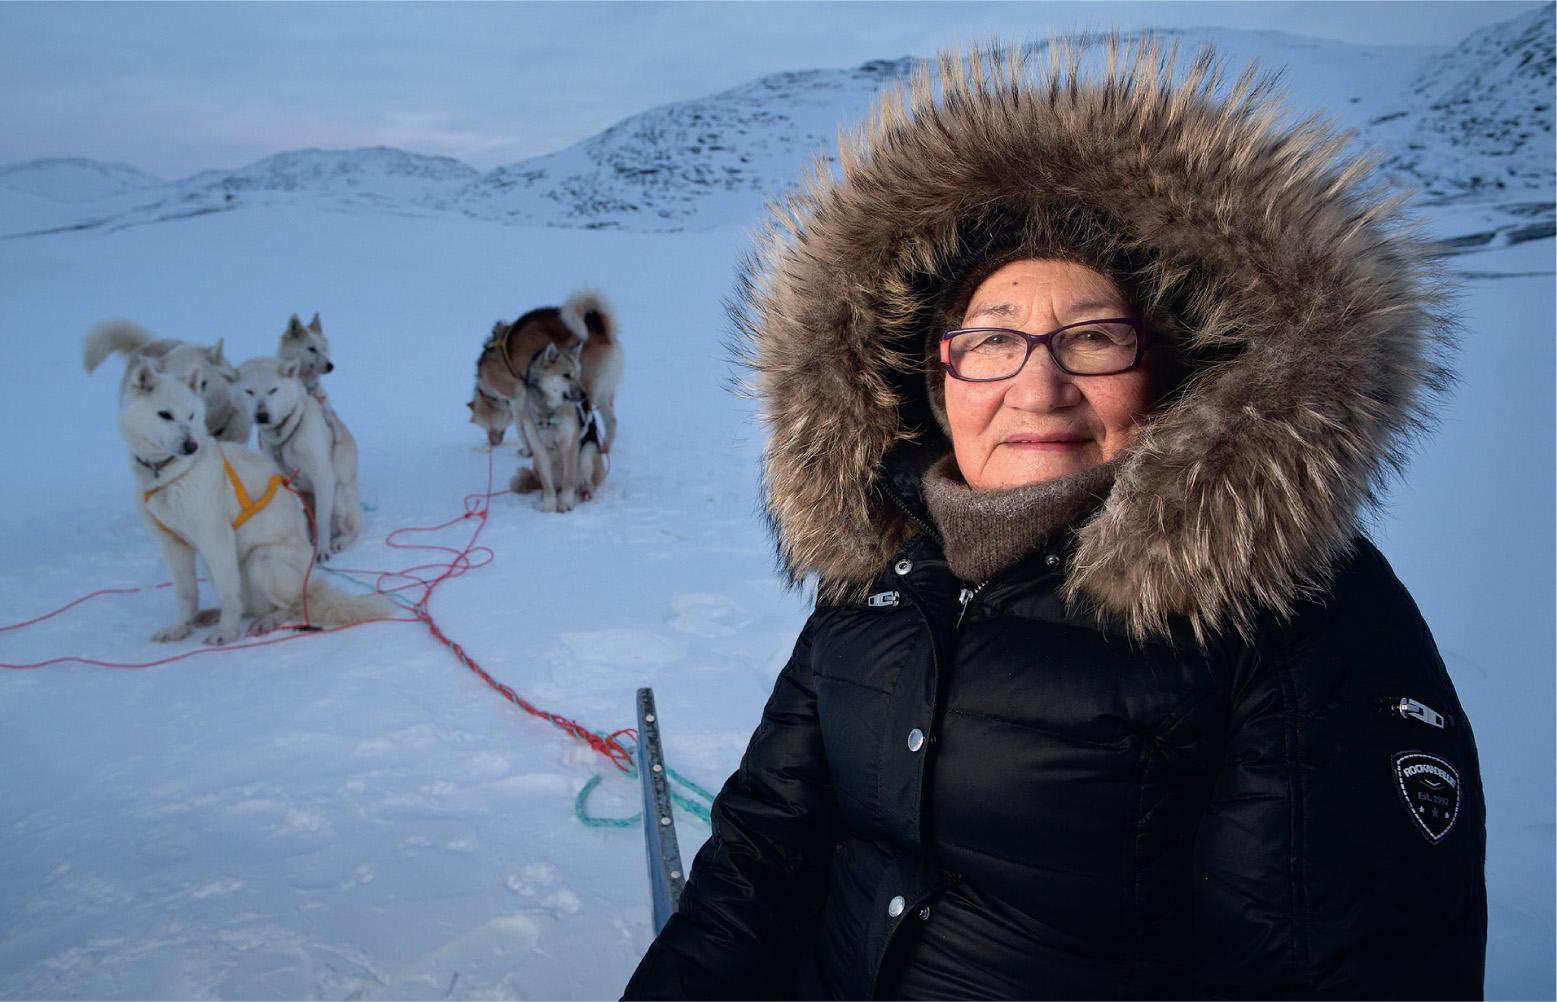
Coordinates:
<point>585,319</point>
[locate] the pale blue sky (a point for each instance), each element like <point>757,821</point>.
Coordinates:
<point>174,88</point>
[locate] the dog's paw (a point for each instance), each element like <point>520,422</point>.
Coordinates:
<point>567,501</point>
<point>220,635</point>
<point>207,617</point>
<point>266,623</point>
<point>168,634</point>
<point>549,504</point>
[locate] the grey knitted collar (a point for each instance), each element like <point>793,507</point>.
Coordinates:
<point>986,531</point>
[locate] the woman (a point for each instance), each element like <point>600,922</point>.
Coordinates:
<point>1077,387</point>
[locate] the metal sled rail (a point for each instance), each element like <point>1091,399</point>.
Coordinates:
<point>659,827</point>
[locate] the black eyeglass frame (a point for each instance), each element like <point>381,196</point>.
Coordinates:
<point>1047,341</point>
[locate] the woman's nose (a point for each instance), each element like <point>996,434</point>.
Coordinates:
<point>1042,385</point>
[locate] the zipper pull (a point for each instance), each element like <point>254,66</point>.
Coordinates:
<point>1407,708</point>
<point>882,600</point>
<point>965,598</point>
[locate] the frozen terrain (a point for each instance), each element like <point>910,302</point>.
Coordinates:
<point>356,814</point>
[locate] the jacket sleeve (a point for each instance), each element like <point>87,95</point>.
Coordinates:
<point>1344,848</point>
<point>750,905</point>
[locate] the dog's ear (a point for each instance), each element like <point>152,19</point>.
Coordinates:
<point>315,326</point>
<point>144,379</point>
<point>576,350</point>
<point>288,369</point>
<point>213,354</point>
<point>294,329</point>
<point>192,380</point>
<point>549,353</point>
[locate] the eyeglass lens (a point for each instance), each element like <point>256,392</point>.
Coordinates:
<point>1092,348</point>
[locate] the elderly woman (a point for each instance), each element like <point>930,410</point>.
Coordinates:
<point>1077,386</point>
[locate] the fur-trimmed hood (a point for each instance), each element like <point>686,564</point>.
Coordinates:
<point>1308,323</point>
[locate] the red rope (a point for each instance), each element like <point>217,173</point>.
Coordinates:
<point>467,558</point>
<point>462,560</point>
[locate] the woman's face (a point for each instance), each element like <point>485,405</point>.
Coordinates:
<point>1043,423</point>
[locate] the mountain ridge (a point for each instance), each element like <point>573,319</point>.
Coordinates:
<point>1468,124</point>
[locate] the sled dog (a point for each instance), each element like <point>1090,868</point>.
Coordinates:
<point>228,504</point>
<point>499,394</point>
<point>225,418</point>
<point>309,348</point>
<point>492,413</point>
<point>317,454</point>
<point>555,421</point>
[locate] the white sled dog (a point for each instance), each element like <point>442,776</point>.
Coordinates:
<point>556,423</point>
<point>225,418</point>
<point>498,399</point>
<point>309,348</point>
<point>226,503</point>
<point>317,454</point>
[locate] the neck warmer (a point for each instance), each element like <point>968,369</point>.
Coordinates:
<point>986,531</point>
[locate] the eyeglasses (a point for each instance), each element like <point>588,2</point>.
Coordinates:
<point>1090,348</point>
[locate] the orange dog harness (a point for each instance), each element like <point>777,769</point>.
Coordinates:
<point>247,508</point>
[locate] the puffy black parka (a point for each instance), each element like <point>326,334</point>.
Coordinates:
<point>1198,741</point>
<point>982,795</point>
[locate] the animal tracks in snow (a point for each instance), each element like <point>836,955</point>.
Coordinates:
<point>535,881</point>
<point>705,615</point>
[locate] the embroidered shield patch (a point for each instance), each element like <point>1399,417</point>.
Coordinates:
<point>1430,789</point>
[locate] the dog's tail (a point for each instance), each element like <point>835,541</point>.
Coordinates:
<point>589,316</point>
<point>112,336</point>
<point>330,607</point>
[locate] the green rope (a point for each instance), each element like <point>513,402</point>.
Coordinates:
<point>678,777</point>
<point>692,807</point>
<point>593,822</point>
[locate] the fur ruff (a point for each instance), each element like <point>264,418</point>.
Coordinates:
<point>1308,319</point>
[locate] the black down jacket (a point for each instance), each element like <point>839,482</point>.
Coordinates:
<point>1004,801</point>
<point>1197,740</point>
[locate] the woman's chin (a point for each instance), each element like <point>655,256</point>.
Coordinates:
<point>1018,467</point>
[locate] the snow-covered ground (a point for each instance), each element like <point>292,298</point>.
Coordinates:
<point>356,814</point>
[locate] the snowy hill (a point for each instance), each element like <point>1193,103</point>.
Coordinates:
<point>692,164</point>
<point>74,180</point>
<point>1481,119</point>
<point>1473,122</point>
<point>1477,129</point>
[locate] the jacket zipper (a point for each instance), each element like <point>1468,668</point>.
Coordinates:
<point>967,595</point>
<point>966,598</point>
<point>897,499</point>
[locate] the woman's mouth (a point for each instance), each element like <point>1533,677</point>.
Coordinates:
<point>1058,442</point>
